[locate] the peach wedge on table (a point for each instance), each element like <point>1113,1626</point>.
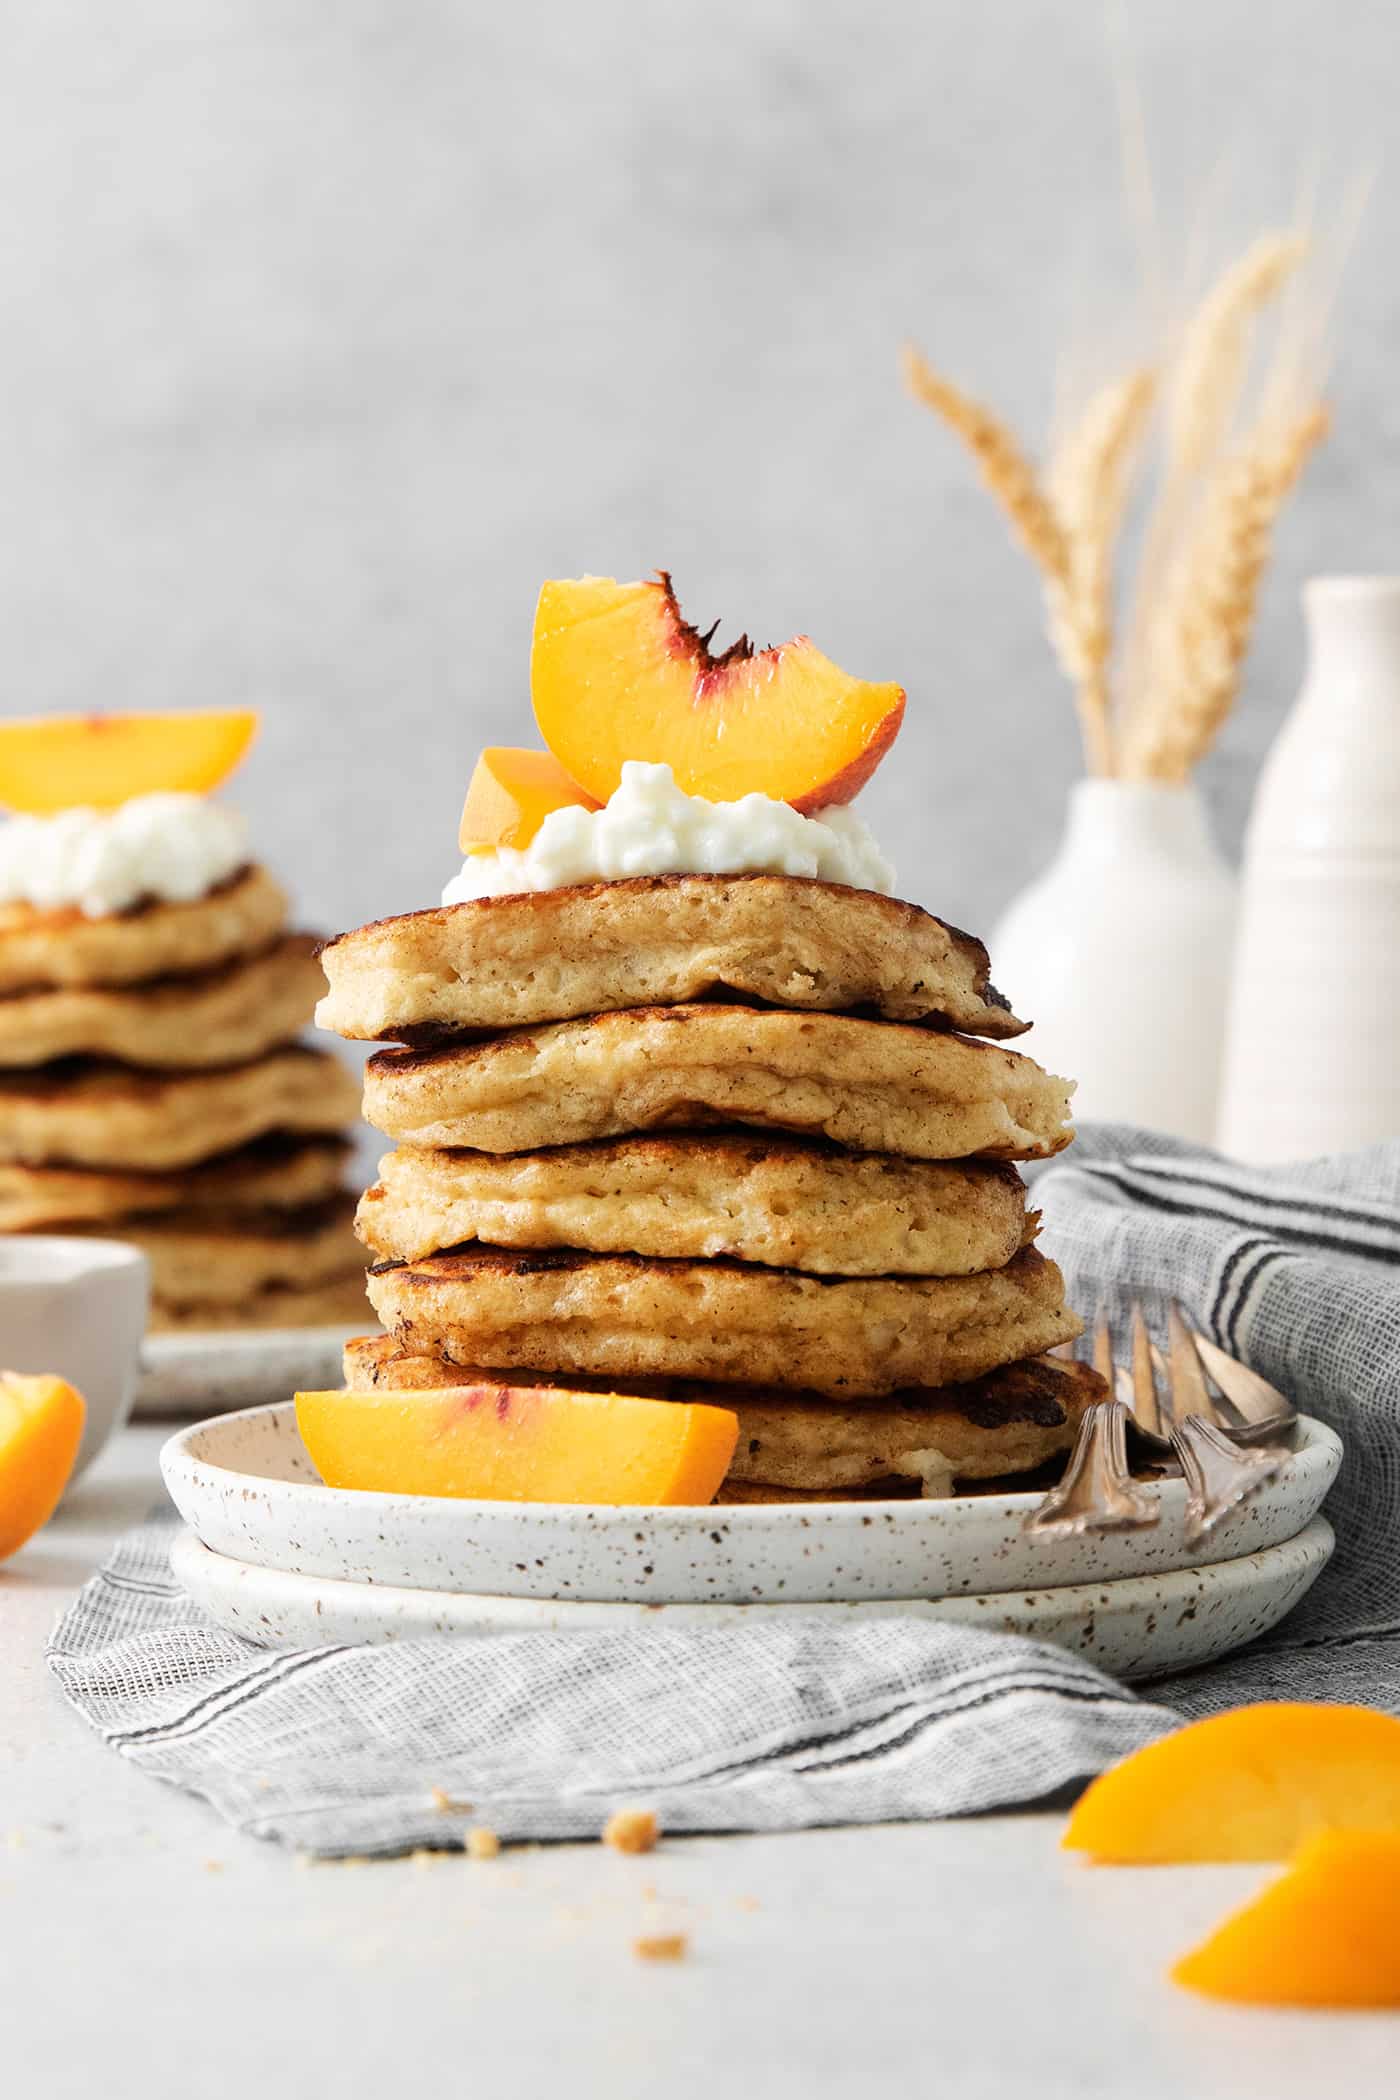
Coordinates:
<point>1326,1933</point>
<point>616,672</point>
<point>502,1443</point>
<point>41,1424</point>
<point>1246,1785</point>
<point>59,762</point>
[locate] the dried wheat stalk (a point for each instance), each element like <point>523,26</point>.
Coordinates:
<point>1208,609</point>
<point>1210,365</point>
<point>1088,485</point>
<point>1006,469</point>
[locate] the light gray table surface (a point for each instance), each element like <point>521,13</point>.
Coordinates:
<point>147,1950</point>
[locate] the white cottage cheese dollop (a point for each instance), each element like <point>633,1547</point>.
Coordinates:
<point>652,827</point>
<point>166,848</point>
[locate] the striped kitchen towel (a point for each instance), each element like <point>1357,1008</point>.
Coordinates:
<point>765,1727</point>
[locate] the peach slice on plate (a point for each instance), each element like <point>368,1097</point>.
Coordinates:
<point>55,762</point>
<point>617,673</point>
<point>511,794</point>
<point>502,1443</point>
<point>1247,1785</point>
<point>41,1424</point>
<point>1327,1933</point>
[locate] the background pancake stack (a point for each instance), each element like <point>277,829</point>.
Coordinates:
<point>152,1090</point>
<point>716,1138</point>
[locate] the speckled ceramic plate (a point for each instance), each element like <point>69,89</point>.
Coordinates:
<point>198,1372</point>
<point>245,1485</point>
<point>1142,1626</point>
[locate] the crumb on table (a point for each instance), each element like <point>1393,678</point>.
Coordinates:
<point>662,1946</point>
<point>446,1804</point>
<point>631,1830</point>
<point>482,1843</point>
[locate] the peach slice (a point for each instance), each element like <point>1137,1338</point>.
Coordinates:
<point>502,1443</point>
<point>1326,1933</point>
<point>41,1423</point>
<point>55,762</point>
<point>511,794</point>
<point>1247,1785</point>
<point>617,673</point>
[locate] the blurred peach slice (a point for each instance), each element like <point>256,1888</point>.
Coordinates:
<point>1246,1785</point>
<point>502,1443</point>
<point>41,1424</point>
<point>616,672</point>
<point>54,762</point>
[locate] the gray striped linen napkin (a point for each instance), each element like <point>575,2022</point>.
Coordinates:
<point>360,1750</point>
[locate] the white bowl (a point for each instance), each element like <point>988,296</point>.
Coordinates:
<point>245,1485</point>
<point>76,1308</point>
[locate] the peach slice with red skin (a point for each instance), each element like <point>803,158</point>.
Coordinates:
<point>41,1425</point>
<point>511,794</point>
<point>55,762</point>
<point>1246,1785</point>
<point>1327,1933</point>
<point>503,1443</point>
<point>616,672</point>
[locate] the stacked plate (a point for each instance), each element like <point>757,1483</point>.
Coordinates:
<point>272,1554</point>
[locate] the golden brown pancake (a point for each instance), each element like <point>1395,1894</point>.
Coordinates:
<point>657,940</point>
<point>869,1085</point>
<point>803,1445</point>
<point>337,1304</point>
<point>782,1202</point>
<point>223,1257</point>
<point>108,1115</point>
<point>622,1316</point>
<point>273,1173</point>
<point>154,940</point>
<point>212,1017</point>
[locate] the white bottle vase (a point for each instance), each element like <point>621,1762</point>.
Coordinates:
<point>1120,955</point>
<point>1313,1059</point>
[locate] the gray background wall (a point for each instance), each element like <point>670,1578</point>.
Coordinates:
<point>331,326</point>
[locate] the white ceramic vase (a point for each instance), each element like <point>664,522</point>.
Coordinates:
<point>1120,954</point>
<point>1313,1059</point>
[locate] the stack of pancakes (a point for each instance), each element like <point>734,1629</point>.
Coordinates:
<point>151,1089</point>
<point>728,1138</point>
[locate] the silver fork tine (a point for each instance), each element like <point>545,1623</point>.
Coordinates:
<point>1146,1409</point>
<point>1103,1350</point>
<point>1190,1394</point>
<point>1220,1472</point>
<point>1262,1408</point>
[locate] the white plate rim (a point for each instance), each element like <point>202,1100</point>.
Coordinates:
<point>1319,1444</point>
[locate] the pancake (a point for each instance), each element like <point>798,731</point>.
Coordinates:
<point>337,1304</point>
<point>154,940</point>
<point>869,1085</point>
<point>800,1444</point>
<point>781,1202</point>
<point>213,1017</point>
<point>223,1257</point>
<point>91,1114</point>
<point>273,1173</point>
<point>622,1316</point>
<point>656,940</point>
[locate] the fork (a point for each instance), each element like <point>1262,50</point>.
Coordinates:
<point>1227,1444</point>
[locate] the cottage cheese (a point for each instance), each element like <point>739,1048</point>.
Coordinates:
<point>652,827</point>
<point>163,848</point>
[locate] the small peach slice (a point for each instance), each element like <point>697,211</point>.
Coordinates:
<point>617,673</point>
<point>502,1443</point>
<point>1326,1933</point>
<point>55,762</point>
<point>511,794</point>
<point>1251,1784</point>
<point>41,1423</point>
